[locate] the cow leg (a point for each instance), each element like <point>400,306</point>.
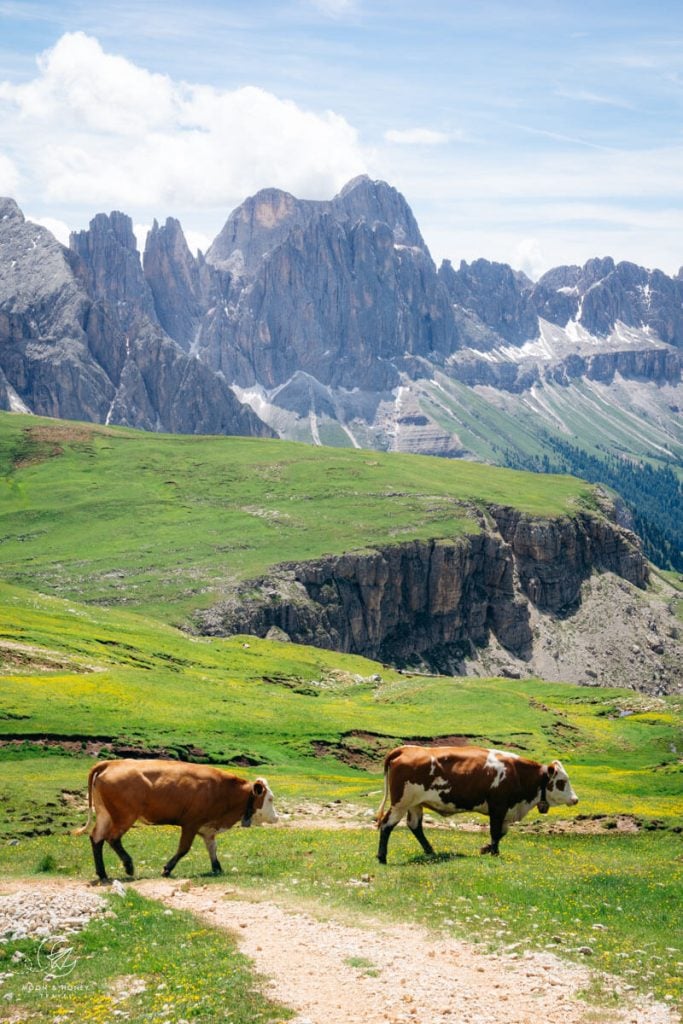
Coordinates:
<point>415,826</point>
<point>498,829</point>
<point>123,855</point>
<point>99,859</point>
<point>186,840</point>
<point>100,832</point>
<point>386,826</point>
<point>210,840</point>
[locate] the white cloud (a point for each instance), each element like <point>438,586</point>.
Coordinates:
<point>141,231</point>
<point>528,256</point>
<point>9,177</point>
<point>585,96</point>
<point>197,240</point>
<point>95,129</point>
<point>335,8</point>
<point>416,137</point>
<point>59,228</point>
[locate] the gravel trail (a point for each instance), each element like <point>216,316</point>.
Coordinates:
<point>333,972</point>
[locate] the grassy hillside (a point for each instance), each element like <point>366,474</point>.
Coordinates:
<point>494,424</point>
<point>314,720</point>
<point>165,524</point>
<point>615,436</point>
<point>101,518</point>
<point>80,681</point>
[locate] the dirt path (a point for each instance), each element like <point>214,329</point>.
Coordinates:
<point>332,972</point>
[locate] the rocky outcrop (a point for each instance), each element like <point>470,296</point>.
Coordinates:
<point>256,227</point>
<point>79,337</point>
<point>45,358</point>
<point>498,297</point>
<point>111,267</point>
<point>472,369</point>
<point>337,300</point>
<point>435,601</point>
<point>182,286</point>
<point>659,365</point>
<point>264,221</point>
<point>602,294</point>
<point>554,557</point>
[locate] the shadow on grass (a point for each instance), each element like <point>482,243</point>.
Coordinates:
<point>435,858</point>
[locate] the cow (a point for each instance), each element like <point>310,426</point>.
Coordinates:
<point>450,780</point>
<point>196,797</point>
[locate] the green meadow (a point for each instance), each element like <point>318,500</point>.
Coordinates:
<point>168,524</point>
<point>110,538</point>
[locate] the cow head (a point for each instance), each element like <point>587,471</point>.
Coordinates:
<point>263,807</point>
<point>558,789</point>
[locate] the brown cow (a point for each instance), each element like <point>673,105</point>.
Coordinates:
<point>196,797</point>
<point>450,780</point>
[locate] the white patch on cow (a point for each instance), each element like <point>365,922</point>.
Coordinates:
<point>520,810</point>
<point>416,795</point>
<point>495,762</point>
<point>266,815</point>
<point>558,796</point>
<point>432,766</point>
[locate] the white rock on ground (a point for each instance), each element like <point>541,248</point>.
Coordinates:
<point>37,913</point>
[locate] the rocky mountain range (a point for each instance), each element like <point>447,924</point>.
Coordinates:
<point>80,339</point>
<point>329,322</point>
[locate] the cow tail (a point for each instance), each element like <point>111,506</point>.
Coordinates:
<point>94,771</point>
<point>387,763</point>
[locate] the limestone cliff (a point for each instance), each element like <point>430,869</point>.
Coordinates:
<point>435,602</point>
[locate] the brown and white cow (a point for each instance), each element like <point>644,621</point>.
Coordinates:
<point>196,797</point>
<point>450,780</point>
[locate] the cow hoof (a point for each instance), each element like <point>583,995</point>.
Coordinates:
<point>102,880</point>
<point>165,873</point>
<point>382,860</point>
<point>486,849</point>
<point>130,870</point>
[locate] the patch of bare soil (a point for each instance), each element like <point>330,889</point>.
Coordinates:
<point>106,746</point>
<point>60,433</point>
<point>619,636</point>
<point>367,972</point>
<point>16,657</point>
<point>47,442</point>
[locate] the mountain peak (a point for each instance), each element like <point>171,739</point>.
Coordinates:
<point>9,210</point>
<point>363,198</point>
<point>360,179</point>
<point>255,227</point>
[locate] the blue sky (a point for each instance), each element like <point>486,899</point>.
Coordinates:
<point>531,133</point>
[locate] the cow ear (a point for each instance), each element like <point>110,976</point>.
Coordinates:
<point>552,769</point>
<point>258,788</point>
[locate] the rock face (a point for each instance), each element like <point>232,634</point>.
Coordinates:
<point>45,316</point>
<point>497,296</point>
<point>342,291</point>
<point>182,287</point>
<point>601,294</point>
<point>265,220</point>
<point>331,321</point>
<point>79,338</point>
<point>435,602</point>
